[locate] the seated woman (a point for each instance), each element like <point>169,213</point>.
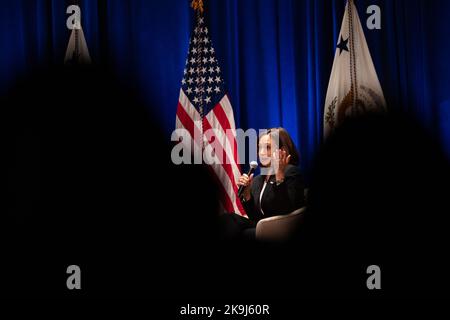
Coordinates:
<point>277,191</point>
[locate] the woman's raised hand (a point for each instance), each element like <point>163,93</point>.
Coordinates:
<point>280,160</point>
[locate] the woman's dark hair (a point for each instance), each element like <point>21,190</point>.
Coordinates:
<point>285,142</point>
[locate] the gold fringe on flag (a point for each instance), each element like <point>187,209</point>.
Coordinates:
<point>197,5</point>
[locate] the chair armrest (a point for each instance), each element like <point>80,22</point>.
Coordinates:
<point>280,227</point>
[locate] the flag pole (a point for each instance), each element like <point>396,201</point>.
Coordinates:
<point>197,5</point>
<point>353,73</point>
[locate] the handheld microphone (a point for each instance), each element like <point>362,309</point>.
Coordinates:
<point>253,166</point>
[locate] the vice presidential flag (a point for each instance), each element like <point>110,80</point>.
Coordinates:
<point>77,51</point>
<point>203,106</point>
<point>354,87</point>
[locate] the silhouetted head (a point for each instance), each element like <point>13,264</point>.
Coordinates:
<point>377,196</point>
<point>90,182</point>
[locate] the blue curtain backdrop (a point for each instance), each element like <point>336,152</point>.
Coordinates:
<point>276,55</point>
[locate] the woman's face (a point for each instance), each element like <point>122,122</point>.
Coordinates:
<point>265,150</point>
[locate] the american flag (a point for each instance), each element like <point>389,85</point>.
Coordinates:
<point>204,105</point>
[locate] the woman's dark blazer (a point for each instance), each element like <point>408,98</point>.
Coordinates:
<point>277,199</point>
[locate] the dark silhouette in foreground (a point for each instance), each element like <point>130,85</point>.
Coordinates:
<point>90,182</point>
<point>379,196</point>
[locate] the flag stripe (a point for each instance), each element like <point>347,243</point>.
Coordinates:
<point>226,165</point>
<point>225,140</point>
<point>218,174</point>
<point>223,174</point>
<point>222,116</point>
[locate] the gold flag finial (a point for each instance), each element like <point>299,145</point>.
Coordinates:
<point>197,5</point>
